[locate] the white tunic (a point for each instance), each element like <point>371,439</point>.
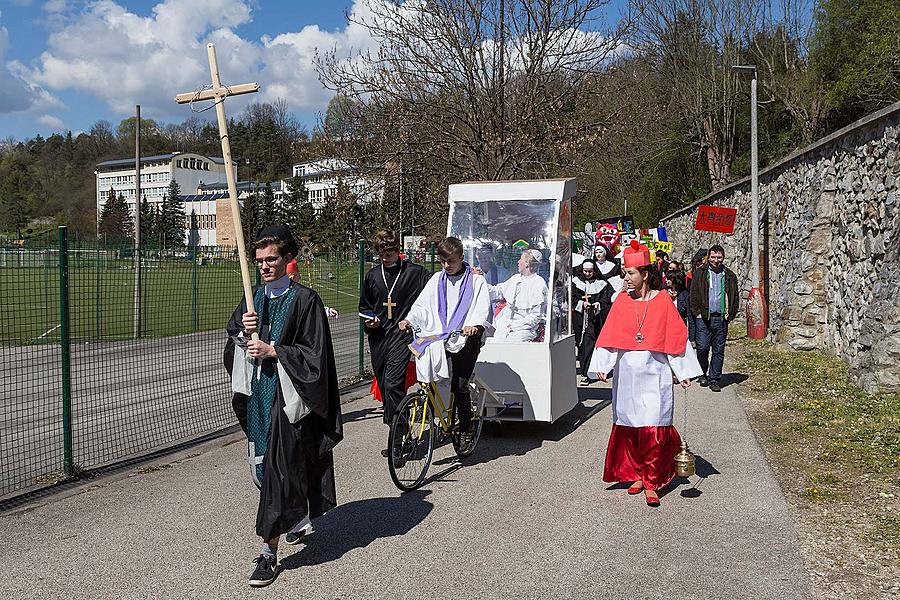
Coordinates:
<point>433,365</point>
<point>526,306</point>
<point>642,390</point>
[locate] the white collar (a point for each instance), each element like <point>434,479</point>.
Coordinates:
<point>278,287</point>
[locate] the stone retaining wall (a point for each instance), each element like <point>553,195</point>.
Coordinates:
<point>830,234</point>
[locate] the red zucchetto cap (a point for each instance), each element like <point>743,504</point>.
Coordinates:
<point>636,255</point>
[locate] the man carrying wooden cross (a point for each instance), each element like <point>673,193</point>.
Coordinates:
<point>286,399</point>
<point>388,293</point>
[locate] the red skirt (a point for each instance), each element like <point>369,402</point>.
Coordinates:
<point>642,453</point>
<point>411,379</point>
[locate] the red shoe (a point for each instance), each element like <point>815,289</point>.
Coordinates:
<point>652,500</point>
<point>636,488</point>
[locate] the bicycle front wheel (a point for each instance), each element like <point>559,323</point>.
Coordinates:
<point>411,441</point>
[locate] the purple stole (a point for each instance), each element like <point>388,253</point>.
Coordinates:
<point>466,293</point>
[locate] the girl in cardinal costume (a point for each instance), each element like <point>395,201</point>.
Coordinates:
<point>644,340</point>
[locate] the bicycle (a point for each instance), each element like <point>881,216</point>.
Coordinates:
<point>422,419</point>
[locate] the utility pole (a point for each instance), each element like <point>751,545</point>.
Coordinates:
<point>757,317</point>
<point>137,221</point>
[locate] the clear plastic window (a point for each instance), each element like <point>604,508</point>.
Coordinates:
<point>562,274</point>
<point>513,243</point>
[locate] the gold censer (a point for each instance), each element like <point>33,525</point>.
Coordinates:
<point>685,465</point>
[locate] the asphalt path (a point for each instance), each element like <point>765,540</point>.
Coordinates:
<point>526,517</point>
<point>128,397</point>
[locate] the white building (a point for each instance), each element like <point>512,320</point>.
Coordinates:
<point>321,178</point>
<point>244,189</point>
<point>187,169</point>
<point>200,216</point>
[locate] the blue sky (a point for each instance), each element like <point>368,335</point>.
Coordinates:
<point>65,64</point>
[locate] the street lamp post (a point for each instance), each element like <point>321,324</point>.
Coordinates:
<point>757,321</point>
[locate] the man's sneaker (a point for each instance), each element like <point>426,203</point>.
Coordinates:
<point>265,572</point>
<point>714,386</point>
<point>703,381</point>
<point>295,537</point>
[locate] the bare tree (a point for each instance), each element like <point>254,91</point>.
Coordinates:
<point>781,52</point>
<point>697,42</point>
<point>472,89</point>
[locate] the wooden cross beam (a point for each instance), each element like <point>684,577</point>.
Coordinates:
<point>218,93</point>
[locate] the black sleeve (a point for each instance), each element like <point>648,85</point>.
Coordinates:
<point>695,299</point>
<point>234,326</point>
<point>366,302</point>
<point>732,292</point>
<point>308,359</point>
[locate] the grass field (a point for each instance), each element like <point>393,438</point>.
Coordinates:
<point>178,296</point>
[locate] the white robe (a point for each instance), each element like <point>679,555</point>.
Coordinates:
<point>432,365</point>
<point>642,390</point>
<point>525,310</point>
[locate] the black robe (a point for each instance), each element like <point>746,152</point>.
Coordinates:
<point>299,461</point>
<point>588,323</point>
<point>387,343</point>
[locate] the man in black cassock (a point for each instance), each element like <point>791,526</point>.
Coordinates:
<point>387,295</point>
<point>286,399</point>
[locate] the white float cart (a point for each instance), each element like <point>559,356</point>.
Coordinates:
<point>523,381</point>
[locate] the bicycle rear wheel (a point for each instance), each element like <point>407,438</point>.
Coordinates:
<point>464,442</point>
<point>411,441</point>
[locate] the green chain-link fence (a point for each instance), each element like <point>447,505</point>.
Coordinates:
<point>79,390</point>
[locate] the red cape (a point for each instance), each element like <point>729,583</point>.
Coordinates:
<point>663,330</point>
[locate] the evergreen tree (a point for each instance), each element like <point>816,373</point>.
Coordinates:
<point>250,217</point>
<point>268,213</point>
<point>15,207</point>
<point>296,210</point>
<point>116,222</point>
<point>148,223</point>
<point>171,222</point>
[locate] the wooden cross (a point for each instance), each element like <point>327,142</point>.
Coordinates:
<point>390,305</point>
<point>587,297</point>
<point>218,93</point>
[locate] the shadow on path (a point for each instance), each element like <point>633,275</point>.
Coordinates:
<point>357,524</point>
<point>363,414</point>
<point>733,378</point>
<point>704,470</point>
<point>511,438</point>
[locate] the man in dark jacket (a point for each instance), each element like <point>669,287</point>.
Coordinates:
<point>714,304</point>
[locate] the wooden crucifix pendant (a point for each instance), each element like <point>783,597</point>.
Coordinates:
<point>390,307</point>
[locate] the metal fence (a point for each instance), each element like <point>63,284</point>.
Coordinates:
<point>83,386</point>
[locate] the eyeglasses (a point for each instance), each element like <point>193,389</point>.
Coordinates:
<point>269,260</point>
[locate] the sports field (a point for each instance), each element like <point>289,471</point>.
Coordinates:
<point>178,296</point>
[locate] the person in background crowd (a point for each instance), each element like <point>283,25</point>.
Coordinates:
<point>714,304</point>
<point>679,294</point>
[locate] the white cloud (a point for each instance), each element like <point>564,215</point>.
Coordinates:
<point>124,59</point>
<point>16,94</point>
<point>55,6</point>
<point>51,122</point>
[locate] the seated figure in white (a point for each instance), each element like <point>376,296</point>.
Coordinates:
<point>525,296</point>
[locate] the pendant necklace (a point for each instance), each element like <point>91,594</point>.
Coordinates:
<point>390,304</point>
<point>639,337</point>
